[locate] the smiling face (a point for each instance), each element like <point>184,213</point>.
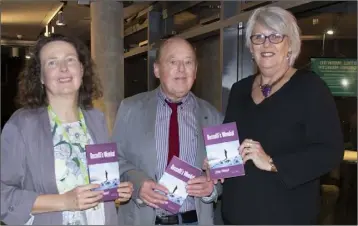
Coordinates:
<point>270,56</point>
<point>61,70</point>
<point>176,68</point>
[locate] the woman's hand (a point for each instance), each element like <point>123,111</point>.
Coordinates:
<point>252,150</point>
<point>82,197</point>
<point>125,190</point>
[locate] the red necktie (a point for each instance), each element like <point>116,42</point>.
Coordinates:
<point>173,132</point>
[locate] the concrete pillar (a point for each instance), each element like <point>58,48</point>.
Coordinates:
<point>108,55</point>
<point>228,51</point>
<point>154,34</point>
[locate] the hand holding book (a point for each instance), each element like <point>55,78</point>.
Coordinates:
<point>125,190</point>
<point>200,186</point>
<point>176,177</point>
<point>150,197</point>
<point>252,150</point>
<point>82,198</point>
<point>206,168</point>
<point>222,144</point>
<point>103,169</point>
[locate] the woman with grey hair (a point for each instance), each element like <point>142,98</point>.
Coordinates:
<point>288,127</point>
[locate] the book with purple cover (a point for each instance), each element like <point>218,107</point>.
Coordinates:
<point>222,147</point>
<point>103,168</point>
<point>175,179</point>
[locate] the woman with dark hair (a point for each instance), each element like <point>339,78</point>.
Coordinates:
<point>44,177</point>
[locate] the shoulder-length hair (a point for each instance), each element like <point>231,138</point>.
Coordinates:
<point>31,93</point>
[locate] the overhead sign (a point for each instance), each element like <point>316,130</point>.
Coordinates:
<point>340,74</point>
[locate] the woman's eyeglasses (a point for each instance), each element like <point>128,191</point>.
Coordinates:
<point>259,39</point>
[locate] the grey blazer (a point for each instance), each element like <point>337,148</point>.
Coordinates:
<point>27,165</point>
<point>134,134</point>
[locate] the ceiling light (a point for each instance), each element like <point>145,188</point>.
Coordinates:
<point>28,57</point>
<point>60,21</point>
<point>330,32</point>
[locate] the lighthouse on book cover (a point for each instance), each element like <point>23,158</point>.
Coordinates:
<point>222,147</point>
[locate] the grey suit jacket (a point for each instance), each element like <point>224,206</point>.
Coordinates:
<point>134,133</point>
<point>27,165</point>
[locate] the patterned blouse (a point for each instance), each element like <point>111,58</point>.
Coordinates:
<point>71,168</point>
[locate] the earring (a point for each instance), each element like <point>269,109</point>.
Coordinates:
<point>289,55</point>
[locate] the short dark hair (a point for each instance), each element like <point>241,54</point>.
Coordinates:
<point>31,93</point>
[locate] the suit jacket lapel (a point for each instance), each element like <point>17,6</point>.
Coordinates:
<point>149,150</point>
<point>200,122</point>
<point>48,157</point>
<point>91,128</point>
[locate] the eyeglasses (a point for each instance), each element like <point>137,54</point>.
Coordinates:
<point>259,39</point>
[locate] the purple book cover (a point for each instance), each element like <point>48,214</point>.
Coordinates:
<point>175,179</point>
<point>103,168</point>
<point>222,147</point>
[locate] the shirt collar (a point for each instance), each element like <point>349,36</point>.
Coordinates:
<point>162,97</point>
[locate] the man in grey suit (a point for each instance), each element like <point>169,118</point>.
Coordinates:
<point>151,127</point>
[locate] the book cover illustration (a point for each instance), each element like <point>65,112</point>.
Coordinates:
<point>175,179</point>
<point>222,147</point>
<point>103,168</point>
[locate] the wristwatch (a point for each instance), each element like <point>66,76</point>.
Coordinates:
<point>273,167</point>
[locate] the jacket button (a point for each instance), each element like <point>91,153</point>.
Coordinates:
<point>139,201</point>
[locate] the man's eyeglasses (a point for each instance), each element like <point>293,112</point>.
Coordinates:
<point>259,39</point>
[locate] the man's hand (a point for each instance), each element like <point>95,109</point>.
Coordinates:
<point>200,186</point>
<point>149,196</point>
<point>125,190</point>
<point>206,168</point>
